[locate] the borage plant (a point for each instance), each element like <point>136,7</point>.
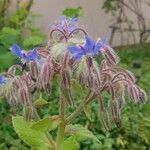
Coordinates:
<point>70,62</point>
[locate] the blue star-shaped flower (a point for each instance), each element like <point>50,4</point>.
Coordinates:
<point>66,25</point>
<point>91,47</point>
<point>25,57</point>
<point>2,80</point>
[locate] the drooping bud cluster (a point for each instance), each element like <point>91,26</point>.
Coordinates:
<point>72,59</point>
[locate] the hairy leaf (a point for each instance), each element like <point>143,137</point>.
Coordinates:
<point>34,138</point>
<point>46,124</point>
<point>71,144</point>
<point>81,133</point>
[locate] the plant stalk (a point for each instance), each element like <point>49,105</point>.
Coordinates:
<point>62,125</point>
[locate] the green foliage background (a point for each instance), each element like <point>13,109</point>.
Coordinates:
<point>17,28</point>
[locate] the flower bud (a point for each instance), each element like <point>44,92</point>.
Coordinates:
<point>110,55</point>
<point>105,119</point>
<point>33,70</point>
<point>82,72</point>
<point>46,74</point>
<point>103,65</point>
<point>66,78</point>
<point>27,113</point>
<point>13,99</point>
<point>133,92</point>
<point>18,82</point>
<point>114,107</point>
<point>142,96</point>
<point>24,96</point>
<point>66,86</point>
<point>43,52</point>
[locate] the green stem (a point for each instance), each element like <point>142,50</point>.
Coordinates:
<point>61,126</point>
<point>60,136</point>
<point>79,108</point>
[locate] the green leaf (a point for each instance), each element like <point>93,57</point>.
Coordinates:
<point>34,138</point>
<point>71,144</point>
<point>32,41</point>
<point>40,102</point>
<point>46,124</point>
<point>81,133</point>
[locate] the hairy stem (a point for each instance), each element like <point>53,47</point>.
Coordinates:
<point>79,108</point>
<point>60,136</point>
<point>61,126</point>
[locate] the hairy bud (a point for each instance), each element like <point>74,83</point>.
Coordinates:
<point>33,70</point>
<point>46,74</point>
<point>133,92</point>
<point>27,113</point>
<point>110,55</point>
<point>114,107</point>
<point>105,119</point>
<point>66,86</point>
<point>142,95</point>
<point>24,96</point>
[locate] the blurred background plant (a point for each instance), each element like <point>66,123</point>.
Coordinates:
<point>72,12</point>
<point>134,132</point>
<point>16,27</point>
<point>120,10</point>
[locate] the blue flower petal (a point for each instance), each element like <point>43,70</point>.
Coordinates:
<point>75,20</point>
<point>74,49</point>
<point>32,56</point>
<point>89,44</point>
<point>2,80</point>
<point>78,56</point>
<point>101,44</point>
<point>66,24</point>
<point>15,49</point>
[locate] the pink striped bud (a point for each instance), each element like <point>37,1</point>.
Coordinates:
<point>93,76</point>
<point>129,75</point>
<point>103,65</point>
<point>81,78</point>
<point>66,78</point>
<point>27,113</point>
<point>142,96</point>
<point>133,92</point>
<point>24,96</point>
<point>46,74</point>
<point>43,52</point>
<point>66,86</point>
<point>105,119</point>
<point>94,81</point>
<point>82,72</point>
<point>114,107</point>
<point>110,55</point>
<point>33,70</point>
<point>18,82</point>
<point>13,101</point>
